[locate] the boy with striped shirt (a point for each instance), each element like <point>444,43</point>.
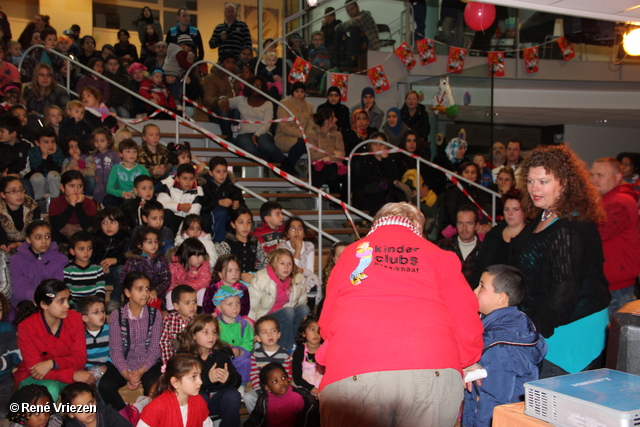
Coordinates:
<point>81,276</point>
<point>93,313</point>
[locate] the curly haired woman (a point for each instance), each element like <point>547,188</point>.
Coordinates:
<point>560,256</point>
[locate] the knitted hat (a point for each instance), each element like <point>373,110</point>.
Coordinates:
<point>184,39</point>
<point>156,70</point>
<point>298,85</point>
<point>226,292</point>
<point>226,54</point>
<point>136,66</point>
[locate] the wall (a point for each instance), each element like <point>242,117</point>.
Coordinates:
<point>594,142</point>
<point>65,13</point>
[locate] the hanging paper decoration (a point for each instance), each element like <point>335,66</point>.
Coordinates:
<point>341,81</point>
<point>496,64</point>
<point>427,51</point>
<point>405,54</point>
<point>455,64</point>
<point>299,71</point>
<point>378,79</point>
<point>443,100</point>
<point>566,48</point>
<point>531,59</point>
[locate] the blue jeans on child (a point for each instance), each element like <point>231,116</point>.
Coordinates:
<point>266,149</point>
<point>224,403</point>
<point>89,185</point>
<point>113,279</point>
<point>219,221</point>
<point>289,319</point>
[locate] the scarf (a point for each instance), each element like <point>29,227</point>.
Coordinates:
<point>452,149</point>
<point>282,289</point>
<point>367,91</point>
<point>398,127</point>
<point>362,133</point>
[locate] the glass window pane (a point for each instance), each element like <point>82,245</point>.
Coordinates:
<point>116,17</point>
<point>189,4</point>
<point>171,21</point>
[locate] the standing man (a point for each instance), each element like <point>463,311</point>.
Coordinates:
<point>619,231</point>
<point>232,35</point>
<point>184,27</point>
<point>362,35</point>
<point>514,151</point>
<point>399,325</point>
<point>465,244</point>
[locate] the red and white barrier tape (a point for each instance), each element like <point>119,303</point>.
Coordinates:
<point>466,193</point>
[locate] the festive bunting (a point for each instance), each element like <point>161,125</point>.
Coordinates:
<point>427,51</point>
<point>299,71</point>
<point>378,79</point>
<point>342,82</point>
<point>405,54</point>
<point>496,64</point>
<point>531,59</point>
<point>455,64</point>
<point>566,48</point>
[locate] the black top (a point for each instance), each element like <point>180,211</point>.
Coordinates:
<point>562,267</point>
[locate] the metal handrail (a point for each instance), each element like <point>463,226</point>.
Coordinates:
<point>418,161</point>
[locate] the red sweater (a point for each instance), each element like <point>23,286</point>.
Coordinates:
<point>413,309</point>
<point>37,344</point>
<point>164,410</point>
<point>619,234</point>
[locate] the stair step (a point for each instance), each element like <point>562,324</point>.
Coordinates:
<point>289,195</point>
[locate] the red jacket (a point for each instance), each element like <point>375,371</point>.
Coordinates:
<point>413,309</point>
<point>197,278</point>
<point>148,88</point>
<point>164,410</point>
<point>37,344</point>
<point>620,239</point>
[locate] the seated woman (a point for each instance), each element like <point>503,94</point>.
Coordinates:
<point>44,90</point>
<point>57,357</point>
<point>394,128</point>
<point>454,198</point>
<point>340,110</point>
<point>360,131</point>
<point>288,136</point>
<point>89,79</point>
<point>17,210</point>
<point>327,168</point>
<point>374,176</point>
<point>496,246</point>
<point>368,104</point>
<point>255,137</point>
<point>87,50</point>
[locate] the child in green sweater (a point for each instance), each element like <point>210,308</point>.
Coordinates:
<point>120,184</point>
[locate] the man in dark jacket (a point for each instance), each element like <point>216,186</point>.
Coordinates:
<point>465,243</point>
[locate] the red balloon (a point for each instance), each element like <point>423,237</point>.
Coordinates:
<point>479,16</point>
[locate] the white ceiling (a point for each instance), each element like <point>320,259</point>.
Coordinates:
<point>606,10</point>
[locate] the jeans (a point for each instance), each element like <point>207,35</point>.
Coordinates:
<point>89,185</point>
<point>113,279</point>
<point>448,23</point>
<point>289,319</point>
<point>296,151</point>
<point>121,112</point>
<point>226,126</point>
<point>620,298</point>
<point>419,16</point>
<point>42,185</point>
<point>219,218</point>
<point>266,149</point>
<point>224,403</point>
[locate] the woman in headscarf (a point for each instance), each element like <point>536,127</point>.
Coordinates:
<point>360,131</point>
<point>368,104</point>
<point>147,18</point>
<point>394,128</point>
<point>451,159</point>
<point>340,110</point>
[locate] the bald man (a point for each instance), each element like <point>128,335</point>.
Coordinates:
<point>619,232</point>
<point>232,35</point>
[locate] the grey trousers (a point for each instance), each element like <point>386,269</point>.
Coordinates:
<point>412,398</point>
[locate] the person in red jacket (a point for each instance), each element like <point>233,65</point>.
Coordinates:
<point>53,355</point>
<point>619,231</point>
<point>400,324</point>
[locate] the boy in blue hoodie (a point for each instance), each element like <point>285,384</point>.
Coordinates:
<point>512,346</point>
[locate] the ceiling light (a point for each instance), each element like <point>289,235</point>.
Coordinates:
<point>631,42</point>
<point>312,3</point>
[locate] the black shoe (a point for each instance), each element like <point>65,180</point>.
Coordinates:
<point>286,166</point>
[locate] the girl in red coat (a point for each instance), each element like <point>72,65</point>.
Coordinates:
<point>190,266</point>
<point>52,354</point>
<point>179,402</point>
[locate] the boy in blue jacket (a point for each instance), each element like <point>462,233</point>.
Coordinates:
<point>512,346</point>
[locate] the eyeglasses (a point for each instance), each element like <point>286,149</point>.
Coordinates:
<point>16,191</point>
